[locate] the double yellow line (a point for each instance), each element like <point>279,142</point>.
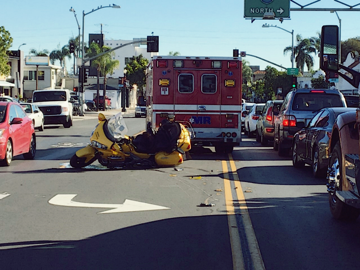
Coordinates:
<point>245,249</point>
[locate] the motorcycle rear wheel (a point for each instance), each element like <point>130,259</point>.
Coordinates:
<point>79,162</point>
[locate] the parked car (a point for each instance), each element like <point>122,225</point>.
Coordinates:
<point>252,117</point>
<point>35,114</point>
<point>140,109</point>
<point>245,108</point>
<point>265,124</point>
<point>298,108</point>
<point>311,143</point>
<point>17,134</point>
<point>8,99</point>
<point>101,102</point>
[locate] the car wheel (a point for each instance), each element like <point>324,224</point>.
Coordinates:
<point>263,141</point>
<point>32,148</point>
<point>275,146</point>
<point>41,128</point>
<point>317,171</point>
<point>258,139</point>
<point>8,154</point>
<point>297,163</point>
<point>338,209</point>
<point>68,122</point>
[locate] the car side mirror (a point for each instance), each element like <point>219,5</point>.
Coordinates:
<point>329,48</point>
<point>16,120</point>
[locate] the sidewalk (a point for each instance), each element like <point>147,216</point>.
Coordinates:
<point>130,112</point>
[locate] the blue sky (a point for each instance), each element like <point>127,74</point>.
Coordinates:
<point>190,27</point>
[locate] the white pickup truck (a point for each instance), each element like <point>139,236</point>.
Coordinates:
<point>55,105</point>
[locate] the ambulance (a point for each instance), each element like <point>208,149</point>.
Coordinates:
<point>204,91</point>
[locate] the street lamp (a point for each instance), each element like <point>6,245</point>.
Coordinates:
<point>339,32</point>
<point>266,25</point>
<point>83,52</point>
<point>78,48</point>
<point>21,45</point>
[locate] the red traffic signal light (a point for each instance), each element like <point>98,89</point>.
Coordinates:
<point>75,89</point>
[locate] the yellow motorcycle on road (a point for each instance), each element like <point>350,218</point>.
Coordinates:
<point>113,149</point>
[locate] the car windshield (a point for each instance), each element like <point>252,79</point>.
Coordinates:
<point>27,107</point>
<point>116,127</point>
<point>315,101</point>
<point>42,96</point>
<point>2,113</point>
<point>259,109</point>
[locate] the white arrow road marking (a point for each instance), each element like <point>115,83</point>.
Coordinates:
<point>4,195</point>
<point>280,10</point>
<point>127,206</point>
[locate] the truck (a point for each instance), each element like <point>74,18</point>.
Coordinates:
<point>343,175</point>
<point>56,106</point>
<point>203,91</point>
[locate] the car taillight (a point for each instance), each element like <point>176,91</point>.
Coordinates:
<point>289,121</point>
<point>328,134</point>
<point>317,91</point>
<point>269,115</point>
<point>255,117</point>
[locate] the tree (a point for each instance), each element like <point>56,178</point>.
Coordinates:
<point>174,53</point>
<point>350,45</point>
<point>60,54</point>
<point>319,83</point>
<point>135,72</point>
<point>302,52</point>
<point>5,44</point>
<point>103,64</point>
<point>270,85</point>
<point>39,53</point>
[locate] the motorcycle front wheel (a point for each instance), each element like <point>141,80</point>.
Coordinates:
<point>79,162</point>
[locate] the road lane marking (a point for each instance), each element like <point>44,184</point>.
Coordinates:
<point>4,195</point>
<point>127,206</point>
<point>244,245</point>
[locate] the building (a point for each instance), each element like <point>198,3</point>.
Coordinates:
<point>124,54</point>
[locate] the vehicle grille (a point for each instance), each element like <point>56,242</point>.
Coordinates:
<point>50,110</point>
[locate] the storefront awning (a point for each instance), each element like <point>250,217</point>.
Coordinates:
<point>6,84</point>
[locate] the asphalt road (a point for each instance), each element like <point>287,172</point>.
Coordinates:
<point>248,210</point>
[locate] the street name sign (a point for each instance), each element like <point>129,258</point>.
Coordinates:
<point>292,71</point>
<point>262,9</point>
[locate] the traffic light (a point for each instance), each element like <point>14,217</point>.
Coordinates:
<point>294,82</point>
<point>235,53</point>
<point>75,89</point>
<point>72,47</point>
<point>242,54</point>
<point>85,75</point>
<point>152,43</point>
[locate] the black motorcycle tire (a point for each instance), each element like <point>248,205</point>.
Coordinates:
<point>79,162</point>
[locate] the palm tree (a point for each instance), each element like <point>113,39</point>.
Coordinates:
<point>39,53</point>
<point>103,64</point>
<point>174,53</point>
<point>302,52</point>
<point>60,54</point>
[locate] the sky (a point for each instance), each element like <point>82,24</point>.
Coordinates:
<point>190,27</point>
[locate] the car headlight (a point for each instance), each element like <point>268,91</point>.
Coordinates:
<point>98,145</point>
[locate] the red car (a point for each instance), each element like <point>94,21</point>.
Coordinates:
<point>17,134</point>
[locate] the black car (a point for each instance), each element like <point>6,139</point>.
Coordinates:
<point>298,108</point>
<point>311,144</point>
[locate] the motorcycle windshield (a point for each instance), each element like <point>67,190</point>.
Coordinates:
<point>116,126</point>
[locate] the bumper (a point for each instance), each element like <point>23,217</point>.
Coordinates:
<point>55,119</point>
